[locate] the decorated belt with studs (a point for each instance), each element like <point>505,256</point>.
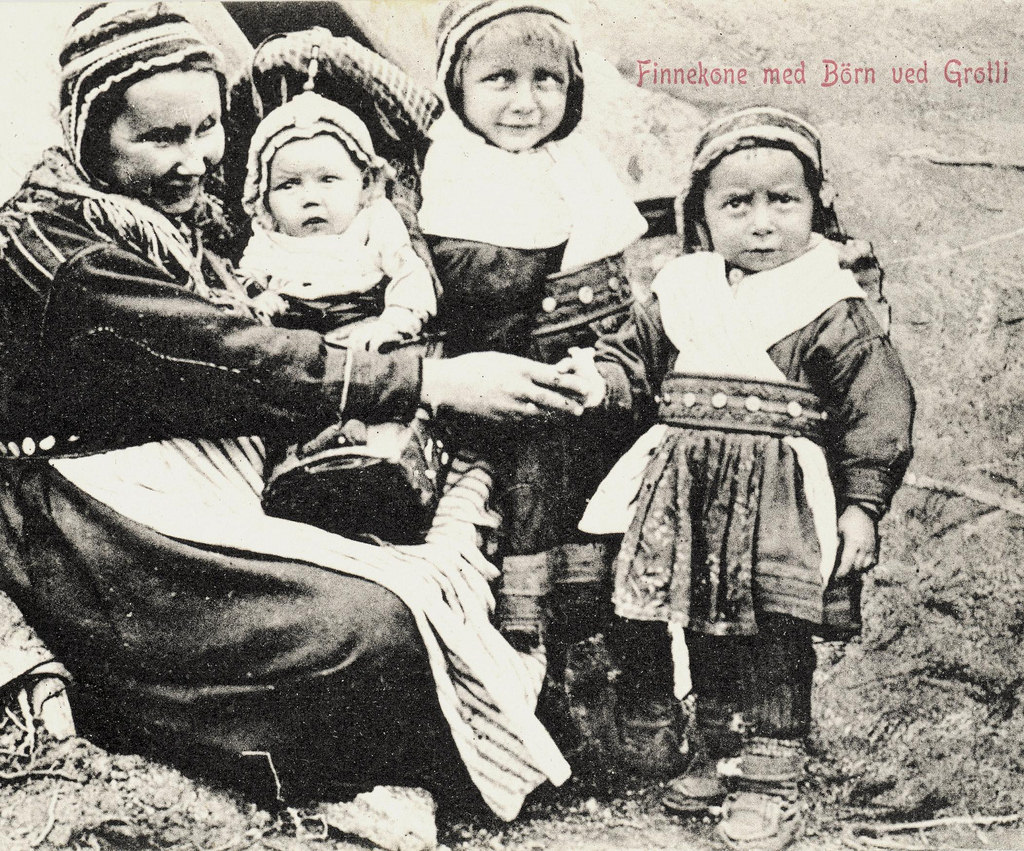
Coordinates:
<point>732,404</point>
<point>596,292</point>
<point>45,447</point>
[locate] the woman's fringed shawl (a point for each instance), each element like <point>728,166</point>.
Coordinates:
<point>129,224</point>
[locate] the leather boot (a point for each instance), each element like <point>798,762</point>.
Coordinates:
<point>649,733</point>
<point>522,600</point>
<point>701,786</point>
<point>763,810</point>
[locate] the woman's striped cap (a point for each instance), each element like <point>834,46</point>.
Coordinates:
<point>110,45</point>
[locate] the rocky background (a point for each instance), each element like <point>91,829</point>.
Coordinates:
<point>921,719</point>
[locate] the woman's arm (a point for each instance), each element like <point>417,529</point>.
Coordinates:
<point>99,343</point>
<point>129,352</point>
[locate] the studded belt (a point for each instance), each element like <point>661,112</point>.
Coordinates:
<point>596,293</point>
<point>733,404</point>
<point>47,446</point>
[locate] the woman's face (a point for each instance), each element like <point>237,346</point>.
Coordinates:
<point>167,139</point>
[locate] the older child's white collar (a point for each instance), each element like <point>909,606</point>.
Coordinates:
<point>564,191</point>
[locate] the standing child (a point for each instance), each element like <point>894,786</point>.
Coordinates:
<point>779,401</point>
<point>526,221</point>
<point>332,252</point>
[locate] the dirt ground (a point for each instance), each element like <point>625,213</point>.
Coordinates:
<point>920,719</point>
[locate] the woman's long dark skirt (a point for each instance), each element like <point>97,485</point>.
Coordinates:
<point>200,656</point>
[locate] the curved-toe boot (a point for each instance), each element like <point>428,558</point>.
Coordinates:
<point>763,811</point>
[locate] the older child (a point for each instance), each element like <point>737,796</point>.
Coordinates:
<point>331,250</point>
<point>777,399</point>
<point>527,222</point>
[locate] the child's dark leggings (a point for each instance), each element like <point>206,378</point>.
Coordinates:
<point>765,679</point>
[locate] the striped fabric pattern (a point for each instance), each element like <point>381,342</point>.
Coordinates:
<point>408,107</point>
<point>757,123</point>
<point>110,45</point>
<point>208,492</point>
<point>462,511</point>
<point>461,18</point>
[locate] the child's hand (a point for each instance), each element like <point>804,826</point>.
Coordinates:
<point>369,336</point>
<point>580,363</point>
<point>858,541</point>
<point>269,304</point>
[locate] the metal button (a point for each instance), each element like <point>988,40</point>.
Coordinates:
<point>689,400</point>
<point>549,304</point>
<point>47,443</point>
<point>608,323</point>
<point>13,447</point>
<point>74,438</point>
<point>586,295</point>
<point>28,446</point>
<point>667,398</point>
<point>613,283</point>
<point>719,400</point>
<point>752,404</point>
<point>795,409</point>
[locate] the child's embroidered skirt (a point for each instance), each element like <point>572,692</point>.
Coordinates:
<point>722,530</point>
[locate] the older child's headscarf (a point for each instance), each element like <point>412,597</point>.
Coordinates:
<point>756,127</point>
<point>303,117</point>
<point>563,191</point>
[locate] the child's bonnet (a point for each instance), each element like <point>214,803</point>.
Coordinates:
<point>329,265</point>
<point>313,266</point>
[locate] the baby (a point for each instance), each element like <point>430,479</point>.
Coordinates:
<point>329,249</point>
<point>330,253</point>
<point>776,399</point>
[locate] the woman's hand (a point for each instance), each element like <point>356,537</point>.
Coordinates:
<point>501,387</point>
<point>858,541</point>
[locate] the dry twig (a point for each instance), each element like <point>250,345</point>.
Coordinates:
<point>1011,506</point>
<point>934,157</point>
<point>51,817</point>
<point>852,833</point>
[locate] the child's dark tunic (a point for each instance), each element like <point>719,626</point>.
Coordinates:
<point>845,360</point>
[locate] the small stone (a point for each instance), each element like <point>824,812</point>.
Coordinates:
<point>397,818</point>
